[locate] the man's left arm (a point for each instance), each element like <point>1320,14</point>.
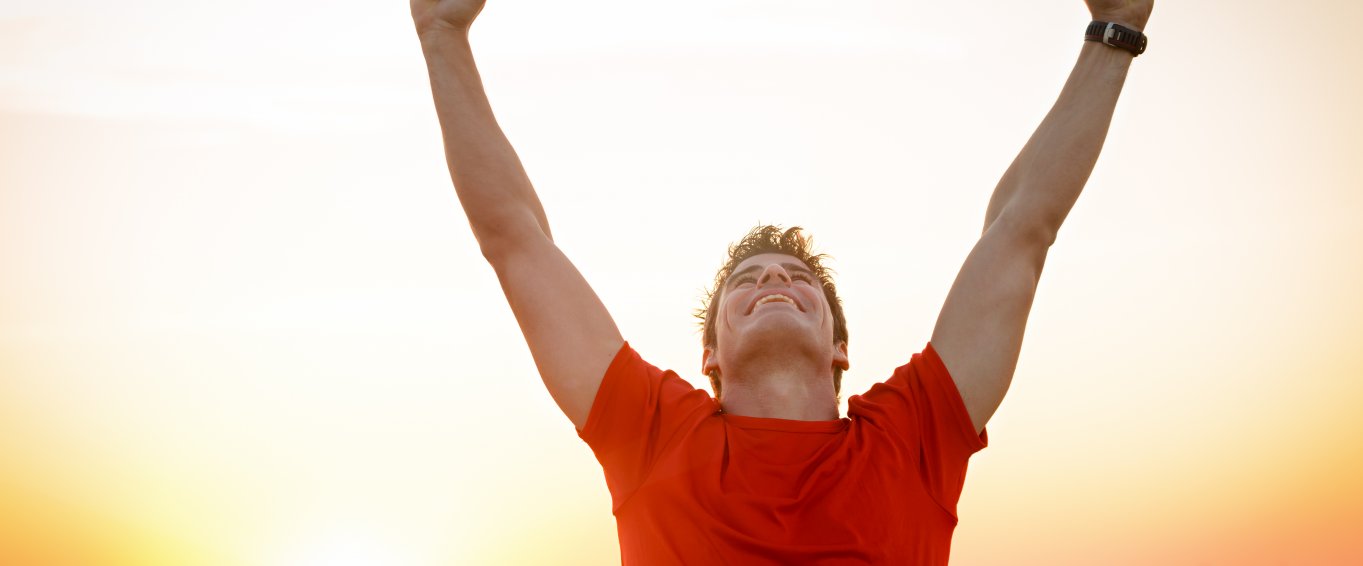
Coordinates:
<point>979,331</point>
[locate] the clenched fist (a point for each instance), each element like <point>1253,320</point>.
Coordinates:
<point>1130,13</point>
<point>434,15</point>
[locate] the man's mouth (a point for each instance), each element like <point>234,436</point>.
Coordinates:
<point>774,298</point>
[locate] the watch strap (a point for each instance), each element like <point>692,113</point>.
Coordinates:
<point>1116,35</point>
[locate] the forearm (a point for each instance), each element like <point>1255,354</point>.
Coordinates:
<point>1040,187</point>
<point>488,177</point>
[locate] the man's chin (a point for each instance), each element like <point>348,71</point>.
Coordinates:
<point>780,334</point>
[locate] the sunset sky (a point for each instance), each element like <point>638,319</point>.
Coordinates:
<point>243,321</point>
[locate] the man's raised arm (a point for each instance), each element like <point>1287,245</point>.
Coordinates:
<point>571,335</point>
<point>979,331</point>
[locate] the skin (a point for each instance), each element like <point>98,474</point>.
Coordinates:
<point>776,362</point>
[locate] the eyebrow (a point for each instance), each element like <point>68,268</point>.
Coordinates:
<point>790,266</point>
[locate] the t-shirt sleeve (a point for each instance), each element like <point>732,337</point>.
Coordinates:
<point>639,412</point>
<point>921,407</point>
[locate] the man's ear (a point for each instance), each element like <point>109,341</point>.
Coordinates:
<point>840,356</point>
<point>709,362</point>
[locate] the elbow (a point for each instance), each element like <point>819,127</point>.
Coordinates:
<point>1035,229</point>
<point>1045,234</point>
<point>493,249</point>
<point>498,240</point>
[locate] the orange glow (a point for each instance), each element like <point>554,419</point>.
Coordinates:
<point>242,321</point>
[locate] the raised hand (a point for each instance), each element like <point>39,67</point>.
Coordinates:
<point>432,15</point>
<point>1130,13</point>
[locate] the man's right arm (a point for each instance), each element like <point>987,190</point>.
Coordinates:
<point>571,335</point>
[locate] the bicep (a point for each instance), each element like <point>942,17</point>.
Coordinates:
<point>979,331</point>
<point>571,335</point>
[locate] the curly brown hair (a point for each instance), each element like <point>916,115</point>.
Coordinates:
<point>766,238</point>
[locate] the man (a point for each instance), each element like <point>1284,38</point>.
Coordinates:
<point>766,472</point>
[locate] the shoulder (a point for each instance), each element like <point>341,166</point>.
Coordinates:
<point>918,399</point>
<point>635,393</point>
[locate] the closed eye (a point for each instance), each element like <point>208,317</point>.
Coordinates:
<point>797,276</point>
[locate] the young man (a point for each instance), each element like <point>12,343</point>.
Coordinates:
<point>766,472</point>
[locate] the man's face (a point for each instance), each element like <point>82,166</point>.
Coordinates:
<point>772,300</point>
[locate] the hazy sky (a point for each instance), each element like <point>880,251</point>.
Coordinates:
<point>243,321</point>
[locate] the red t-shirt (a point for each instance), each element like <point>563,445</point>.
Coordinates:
<point>692,485</point>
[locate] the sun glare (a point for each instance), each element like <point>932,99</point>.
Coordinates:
<point>344,549</point>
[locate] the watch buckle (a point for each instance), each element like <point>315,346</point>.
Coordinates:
<point>1110,33</point>
<point>1110,37</point>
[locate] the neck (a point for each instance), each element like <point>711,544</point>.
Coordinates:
<point>781,390</point>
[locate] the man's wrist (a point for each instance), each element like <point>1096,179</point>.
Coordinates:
<point>438,34</point>
<point>1106,56</point>
<point>1117,36</point>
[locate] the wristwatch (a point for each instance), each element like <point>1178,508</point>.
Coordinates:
<point>1116,35</point>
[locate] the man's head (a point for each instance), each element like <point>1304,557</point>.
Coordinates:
<point>766,260</point>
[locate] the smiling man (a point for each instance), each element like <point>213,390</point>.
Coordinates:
<point>765,471</point>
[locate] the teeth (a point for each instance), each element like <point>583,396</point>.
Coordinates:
<point>772,298</point>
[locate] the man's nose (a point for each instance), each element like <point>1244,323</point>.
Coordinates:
<point>774,274</point>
